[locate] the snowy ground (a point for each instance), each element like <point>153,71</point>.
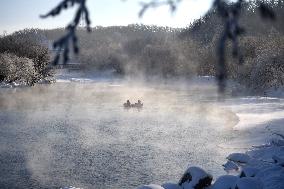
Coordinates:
<point>263,125</point>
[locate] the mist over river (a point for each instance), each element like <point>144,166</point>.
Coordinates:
<point>79,134</point>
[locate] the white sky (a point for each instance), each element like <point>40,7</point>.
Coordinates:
<point>20,14</point>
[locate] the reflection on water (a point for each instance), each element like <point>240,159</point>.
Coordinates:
<point>74,134</point>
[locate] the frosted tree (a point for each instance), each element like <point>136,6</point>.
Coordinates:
<point>229,13</point>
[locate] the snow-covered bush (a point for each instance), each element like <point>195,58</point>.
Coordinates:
<point>18,69</point>
<point>264,63</point>
<point>268,74</point>
<point>27,47</point>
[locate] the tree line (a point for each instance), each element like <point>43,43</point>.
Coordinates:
<point>173,52</point>
<point>162,51</point>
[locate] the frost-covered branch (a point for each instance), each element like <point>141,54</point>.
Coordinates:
<point>230,14</point>
<point>156,3</point>
<point>70,37</point>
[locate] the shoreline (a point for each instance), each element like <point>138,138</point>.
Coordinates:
<point>257,162</point>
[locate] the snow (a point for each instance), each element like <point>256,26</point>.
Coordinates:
<point>260,120</point>
<point>278,160</point>
<point>171,186</point>
<point>272,177</point>
<point>196,174</point>
<point>151,186</point>
<point>249,171</point>
<point>271,173</point>
<point>83,80</point>
<point>63,81</point>
<point>229,166</point>
<point>255,119</point>
<point>264,167</point>
<point>225,182</point>
<point>12,85</point>
<point>249,183</point>
<point>239,157</point>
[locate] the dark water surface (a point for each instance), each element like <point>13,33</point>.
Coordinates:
<point>78,134</point>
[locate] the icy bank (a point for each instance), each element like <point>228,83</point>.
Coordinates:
<point>261,166</point>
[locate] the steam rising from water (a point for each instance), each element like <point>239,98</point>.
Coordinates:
<point>79,134</point>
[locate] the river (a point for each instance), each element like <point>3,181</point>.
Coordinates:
<point>79,134</point>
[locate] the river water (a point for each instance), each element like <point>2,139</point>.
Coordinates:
<point>78,134</point>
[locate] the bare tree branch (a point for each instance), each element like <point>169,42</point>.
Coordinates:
<point>70,37</point>
<point>157,3</point>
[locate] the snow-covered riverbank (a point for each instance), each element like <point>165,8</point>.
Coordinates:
<point>261,166</point>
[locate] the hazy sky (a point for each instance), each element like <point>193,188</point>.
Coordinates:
<point>20,14</point>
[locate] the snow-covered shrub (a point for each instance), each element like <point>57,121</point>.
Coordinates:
<point>264,62</point>
<point>14,68</point>
<point>28,44</point>
<point>268,73</point>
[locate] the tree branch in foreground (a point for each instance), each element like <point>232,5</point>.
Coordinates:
<point>70,37</point>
